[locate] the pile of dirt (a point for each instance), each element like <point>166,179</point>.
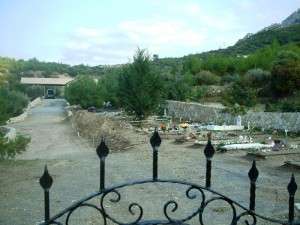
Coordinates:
<point>94,127</point>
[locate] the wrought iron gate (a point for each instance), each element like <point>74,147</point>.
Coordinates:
<point>240,213</point>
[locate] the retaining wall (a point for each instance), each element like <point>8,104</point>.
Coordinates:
<point>210,114</point>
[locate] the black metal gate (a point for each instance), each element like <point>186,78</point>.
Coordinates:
<point>240,213</point>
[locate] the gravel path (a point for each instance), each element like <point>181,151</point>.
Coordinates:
<point>75,168</point>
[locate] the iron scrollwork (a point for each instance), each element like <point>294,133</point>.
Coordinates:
<point>203,196</point>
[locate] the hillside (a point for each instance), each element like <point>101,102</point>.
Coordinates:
<point>292,19</point>
<point>286,32</point>
<point>250,44</point>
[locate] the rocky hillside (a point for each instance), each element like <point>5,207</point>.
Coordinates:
<point>292,19</point>
<point>286,32</point>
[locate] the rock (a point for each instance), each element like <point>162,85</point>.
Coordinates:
<point>8,132</point>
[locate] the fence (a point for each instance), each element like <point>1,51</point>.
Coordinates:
<point>240,213</point>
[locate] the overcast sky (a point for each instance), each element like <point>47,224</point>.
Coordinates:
<point>109,31</point>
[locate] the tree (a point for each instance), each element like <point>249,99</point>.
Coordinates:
<point>140,87</point>
<point>286,74</point>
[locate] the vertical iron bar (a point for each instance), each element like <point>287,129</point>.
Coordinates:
<point>102,152</point>
<point>291,208</point>
<point>208,173</point>
<point>252,195</point>
<point>47,205</point>
<point>155,159</point>
<point>155,142</point>
<point>292,188</point>
<point>253,175</point>
<point>209,152</point>
<point>102,174</point>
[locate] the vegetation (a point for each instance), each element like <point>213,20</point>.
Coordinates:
<point>140,86</point>
<point>12,104</point>
<point>85,92</point>
<point>9,149</point>
<point>260,68</point>
<point>286,74</point>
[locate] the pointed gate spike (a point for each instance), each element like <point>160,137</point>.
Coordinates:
<point>253,172</point>
<point>46,179</point>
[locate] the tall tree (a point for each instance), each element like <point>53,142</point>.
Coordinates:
<point>140,86</point>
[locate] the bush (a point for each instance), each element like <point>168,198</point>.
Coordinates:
<point>9,150</point>
<point>85,92</point>
<point>108,87</point>
<point>257,77</point>
<point>241,94</point>
<point>34,91</point>
<point>207,78</point>
<point>230,78</point>
<point>286,74</point>
<point>198,92</point>
<point>178,87</point>
<point>286,105</point>
<point>12,104</point>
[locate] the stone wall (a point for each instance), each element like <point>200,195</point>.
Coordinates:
<point>210,114</point>
<point>273,120</point>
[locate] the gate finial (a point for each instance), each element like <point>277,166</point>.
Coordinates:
<point>46,182</point>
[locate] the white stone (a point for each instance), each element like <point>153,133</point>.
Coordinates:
<point>224,127</point>
<point>247,146</point>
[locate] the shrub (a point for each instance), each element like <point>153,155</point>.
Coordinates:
<point>257,77</point>
<point>241,94</point>
<point>12,104</point>
<point>34,91</point>
<point>9,150</point>
<point>85,92</point>
<point>178,87</point>
<point>207,78</point>
<point>286,74</point>
<point>198,92</point>
<point>285,105</point>
<point>108,88</point>
<point>230,78</point>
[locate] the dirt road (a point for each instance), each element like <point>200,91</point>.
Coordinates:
<point>75,169</point>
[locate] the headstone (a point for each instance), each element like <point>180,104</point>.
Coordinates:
<point>165,112</point>
<point>239,120</point>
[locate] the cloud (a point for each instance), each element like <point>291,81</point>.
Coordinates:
<point>116,45</point>
<point>175,30</point>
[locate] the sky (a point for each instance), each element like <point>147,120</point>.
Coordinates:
<point>99,32</point>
